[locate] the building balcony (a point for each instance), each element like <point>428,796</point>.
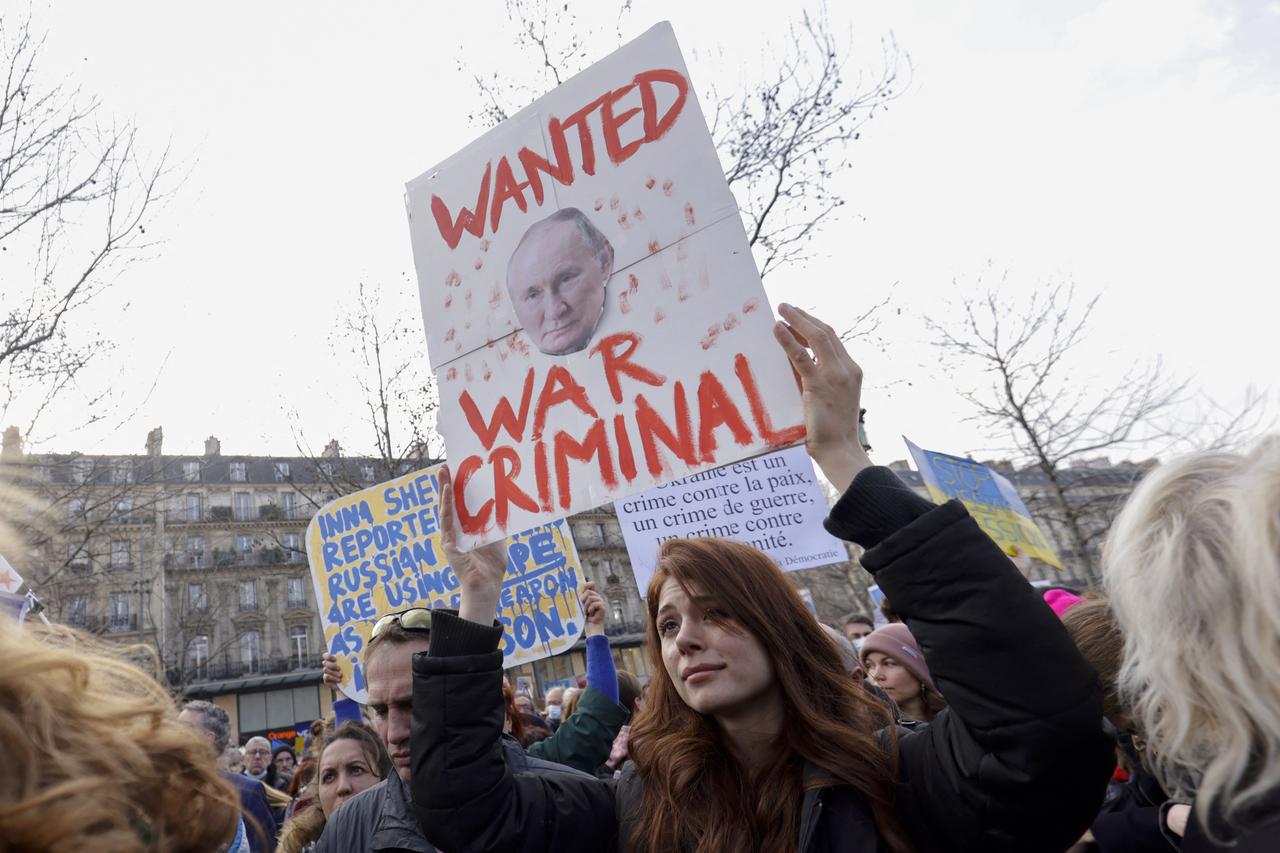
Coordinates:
<point>621,628</point>
<point>227,670</point>
<point>114,624</point>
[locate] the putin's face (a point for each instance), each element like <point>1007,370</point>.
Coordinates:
<point>557,287</point>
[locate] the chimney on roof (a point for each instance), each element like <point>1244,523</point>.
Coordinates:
<point>332,450</point>
<point>12,448</point>
<point>155,439</point>
<point>212,447</point>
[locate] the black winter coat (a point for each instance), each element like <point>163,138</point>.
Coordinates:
<point>1259,832</point>
<point>1018,762</point>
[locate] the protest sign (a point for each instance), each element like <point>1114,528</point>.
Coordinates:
<point>377,551</point>
<point>807,597</point>
<point>877,598</point>
<point>593,314</point>
<point>990,499</point>
<point>773,502</point>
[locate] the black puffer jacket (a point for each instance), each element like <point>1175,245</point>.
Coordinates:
<point>1017,762</point>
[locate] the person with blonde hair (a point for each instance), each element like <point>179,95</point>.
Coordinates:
<point>1192,571</point>
<point>96,758</point>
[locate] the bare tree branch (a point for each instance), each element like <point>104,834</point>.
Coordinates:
<point>782,140</point>
<point>1051,415</point>
<point>74,197</point>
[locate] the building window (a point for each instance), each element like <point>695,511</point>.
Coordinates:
<point>237,472</point>
<point>248,596</point>
<point>119,554</point>
<point>81,470</point>
<point>40,473</point>
<point>269,709</point>
<point>616,606</point>
<point>122,471</point>
<point>194,507</point>
<point>297,594</point>
<point>191,472</point>
<point>250,651</point>
<point>299,646</point>
<point>76,610</point>
<point>75,509</point>
<point>118,615</point>
<point>600,533</point>
<point>196,600</point>
<point>244,546</point>
<point>606,566</point>
<point>77,556</point>
<point>282,472</point>
<point>292,543</point>
<point>366,472</point>
<point>287,505</point>
<point>120,510</point>
<point>195,552</point>
<point>242,506</point>
<point>198,654</point>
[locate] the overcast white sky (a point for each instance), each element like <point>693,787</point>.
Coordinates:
<point>1127,144</point>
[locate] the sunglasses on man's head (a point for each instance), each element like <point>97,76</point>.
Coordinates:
<point>413,619</point>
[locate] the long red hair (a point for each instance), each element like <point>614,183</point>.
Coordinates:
<point>513,713</point>
<point>696,794</point>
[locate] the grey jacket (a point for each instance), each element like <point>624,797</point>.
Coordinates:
<point>381,818</point>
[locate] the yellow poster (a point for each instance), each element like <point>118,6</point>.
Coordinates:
<point>377,551</point>
<point>990,499</point>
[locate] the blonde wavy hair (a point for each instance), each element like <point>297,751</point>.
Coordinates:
<point>1192,569</point>
<point>95,757</point>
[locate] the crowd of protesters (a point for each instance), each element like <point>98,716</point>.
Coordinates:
<point>986,716</point>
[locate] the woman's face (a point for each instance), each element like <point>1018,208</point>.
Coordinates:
<point>716,667</point>
<point>892,677</point>
<point>344,772</point>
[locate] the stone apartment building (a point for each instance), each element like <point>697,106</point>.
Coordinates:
<point>1096,488</point>
<point>202,557</point>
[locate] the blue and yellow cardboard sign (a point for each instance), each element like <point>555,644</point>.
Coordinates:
<point>377,551</point>
<point>990,499</point>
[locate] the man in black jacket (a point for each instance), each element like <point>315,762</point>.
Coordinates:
<point>381,818</point>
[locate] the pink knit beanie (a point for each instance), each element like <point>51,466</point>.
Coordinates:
<point>895,640</point>
<point>1060,601</point>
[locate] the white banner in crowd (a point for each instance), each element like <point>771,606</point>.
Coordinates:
<point>593,314</point>
<point>773,502</point>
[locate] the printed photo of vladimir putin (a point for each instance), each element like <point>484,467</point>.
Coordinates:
<point>556,279</point>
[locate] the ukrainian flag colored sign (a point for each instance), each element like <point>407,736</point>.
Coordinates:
<point>990,499</point>
<point>377,551</point>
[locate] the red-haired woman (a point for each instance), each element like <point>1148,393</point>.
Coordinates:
<point>754,738</point>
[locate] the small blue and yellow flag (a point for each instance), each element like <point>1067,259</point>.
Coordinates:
<point>990,499</point>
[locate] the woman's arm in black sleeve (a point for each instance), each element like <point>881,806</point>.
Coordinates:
<point>465,796</point>
<point>1018,761</point>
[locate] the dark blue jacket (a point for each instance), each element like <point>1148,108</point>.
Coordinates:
<point>257,810</point>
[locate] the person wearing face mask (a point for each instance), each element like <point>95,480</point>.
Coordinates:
<point>351,759</point>
<point>754,737</point>
<point>856,628</point>
<point>553,707</point>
